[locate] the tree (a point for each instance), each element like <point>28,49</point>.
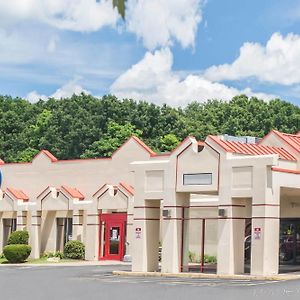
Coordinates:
<point>116,135</point>
<point>168,142</point>
<point>120,5</point>
<point>86,126</point>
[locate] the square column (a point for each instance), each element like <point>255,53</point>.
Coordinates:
<point>92,235</point>
<point>35,234</point>
<point>77,230</point>
<point>175,234</point>
<point>231,234</point>
<point>21,220</point>
<point>146,225</point>
<point>49,230</point>
<point>1,231</point>
<point>265,225</point>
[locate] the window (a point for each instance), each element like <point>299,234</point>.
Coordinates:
<point>197,179</point>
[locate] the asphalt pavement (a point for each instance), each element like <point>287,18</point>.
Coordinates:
<point>97,282</point>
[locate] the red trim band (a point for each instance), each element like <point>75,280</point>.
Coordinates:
<point>276,169</point>
<point>146,219</point>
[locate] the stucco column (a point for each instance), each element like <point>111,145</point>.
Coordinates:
<point>129,232</point>
<point>231,226</point>
<point>174,240</point>
<point>49,231</point>
<point>21,220</point>
<point>92,235</point>
<point>35,234</point>
<point>1,231</point>
<point>231,233</point>
<point>77,230</point>
<point>146,226</point>
<point>265,229</point>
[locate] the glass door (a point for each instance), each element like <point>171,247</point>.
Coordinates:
<point>114,239</point>
<point>289,247</point>
<point>112,236</point>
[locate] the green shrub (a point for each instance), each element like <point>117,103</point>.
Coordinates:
<point>53,254</point>
<point>210,259</point>
<point>18,237</point>
<point>16,253</point>
<point>74,250</point>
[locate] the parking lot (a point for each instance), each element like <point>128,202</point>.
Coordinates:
<point>97,282</point>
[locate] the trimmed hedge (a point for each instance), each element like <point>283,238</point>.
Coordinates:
<point>18,237</point>
<point>16,253</point>
<point>74,250</point>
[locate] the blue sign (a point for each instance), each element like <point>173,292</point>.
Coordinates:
<point>0,178</point>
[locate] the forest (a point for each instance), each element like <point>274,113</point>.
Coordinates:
<point>84,126</point>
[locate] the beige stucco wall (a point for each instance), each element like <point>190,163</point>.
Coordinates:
<point>86,175</point>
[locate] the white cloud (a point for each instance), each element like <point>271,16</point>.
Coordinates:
<point>52,45</point>
<point>152,79</point>
<point>276,62</point>
<point>159,23</point>
<point>67,90</point>
<point>77,15</point>
<point>34,96</point>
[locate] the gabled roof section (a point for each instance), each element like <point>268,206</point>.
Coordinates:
<point>292,140</point>
<point>73,192</point>
<point>140,143</point>
<point>186,143</point>
<point>48,154</point>
<point>127,187</point>
<point>113,189</point>
<point>252,149</point>
<point>18,194</point>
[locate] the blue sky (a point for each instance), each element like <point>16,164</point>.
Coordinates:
<point>172,51</point>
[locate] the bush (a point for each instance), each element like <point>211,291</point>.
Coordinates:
<point>16,253</point>
<point>210,259</point>
<point>18,237</point>
<point>53,254</point>
<point>74,250</point>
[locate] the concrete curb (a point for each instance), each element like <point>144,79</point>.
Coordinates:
<point>66,264</point>
<point>282,277</point>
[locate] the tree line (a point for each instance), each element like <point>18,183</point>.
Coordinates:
<point>85,126</point>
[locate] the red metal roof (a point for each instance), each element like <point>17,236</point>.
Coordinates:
<point>18,194</point>
<point>292,139</point>
<point>252,149</point>
<point>73,192</point>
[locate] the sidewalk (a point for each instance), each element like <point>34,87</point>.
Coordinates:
<point>70,264</point>
<point>290,276</point>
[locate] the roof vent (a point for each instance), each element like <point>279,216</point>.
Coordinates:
<point>242,139</point>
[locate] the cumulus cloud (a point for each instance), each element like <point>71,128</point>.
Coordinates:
<point>67,90</point>
<point>276,62</point>
<point>34,96</point>
<point>152,79</point>
<point>160,23</point>
<point>77,15</point>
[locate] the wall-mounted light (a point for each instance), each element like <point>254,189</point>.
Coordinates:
<point>166,213</point>
<point>222,212</point>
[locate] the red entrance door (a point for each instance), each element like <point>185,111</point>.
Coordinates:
<point>112,236</point>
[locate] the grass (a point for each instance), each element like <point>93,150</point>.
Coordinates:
<point>42,260</point>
